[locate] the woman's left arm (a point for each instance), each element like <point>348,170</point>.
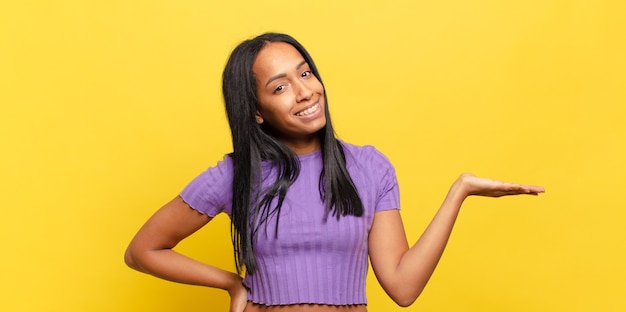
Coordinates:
<point>402,271</point>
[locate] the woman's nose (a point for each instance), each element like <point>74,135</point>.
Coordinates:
<point>304,92</point>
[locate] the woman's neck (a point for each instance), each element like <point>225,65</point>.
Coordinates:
<point>302,147</point>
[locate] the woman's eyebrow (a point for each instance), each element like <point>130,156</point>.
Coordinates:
<point>282,75</point>
<point>300,64</point>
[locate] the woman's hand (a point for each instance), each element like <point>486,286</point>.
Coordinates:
<point>238,298</point>
<point>473,185</point>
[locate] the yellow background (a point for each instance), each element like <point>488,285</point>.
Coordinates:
<point>110,107</point>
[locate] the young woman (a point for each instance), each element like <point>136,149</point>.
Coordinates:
<point>306,208</point>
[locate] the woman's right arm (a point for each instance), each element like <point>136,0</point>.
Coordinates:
<point>151,252</point>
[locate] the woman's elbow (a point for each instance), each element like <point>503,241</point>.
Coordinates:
<point>129,259</point>
<point>406,299</point>
<point>404,302</point>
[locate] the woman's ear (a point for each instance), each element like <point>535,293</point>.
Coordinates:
<point>259,119</point>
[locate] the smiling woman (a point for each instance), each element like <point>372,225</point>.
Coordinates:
<point>291,98</point>
<point>306,208</point>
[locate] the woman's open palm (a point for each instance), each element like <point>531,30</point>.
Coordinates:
<point>474,185</point>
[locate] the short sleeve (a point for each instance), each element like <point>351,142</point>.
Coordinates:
<point>374,176</point>
<point>211,192</point>
<point>388,196</point>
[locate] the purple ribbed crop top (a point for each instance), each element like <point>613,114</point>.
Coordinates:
<point>312,260</point>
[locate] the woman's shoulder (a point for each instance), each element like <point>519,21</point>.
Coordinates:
<point>226,163</point>
<point>361,153</point>
<point>219,175</point>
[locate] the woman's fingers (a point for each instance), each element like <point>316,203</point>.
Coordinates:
<point>494,188</point>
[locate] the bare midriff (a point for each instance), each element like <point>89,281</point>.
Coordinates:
<point>253,307</point>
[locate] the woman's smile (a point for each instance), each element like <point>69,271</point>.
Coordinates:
<point>309,110</point>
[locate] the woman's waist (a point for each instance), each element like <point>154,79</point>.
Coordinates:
<point>253,307</point>
<point>327,284</point>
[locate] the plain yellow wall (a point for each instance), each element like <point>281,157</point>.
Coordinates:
<point>110,107</point>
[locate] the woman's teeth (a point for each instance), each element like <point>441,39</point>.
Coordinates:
<point>309,110</point>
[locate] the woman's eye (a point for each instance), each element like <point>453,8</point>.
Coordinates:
<point>279,88</point>
<point>306,73</point>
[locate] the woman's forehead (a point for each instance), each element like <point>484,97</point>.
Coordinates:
<point>277,56</point>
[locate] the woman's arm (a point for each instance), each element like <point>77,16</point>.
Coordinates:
<point>402,271</point>
<point>151,252</point>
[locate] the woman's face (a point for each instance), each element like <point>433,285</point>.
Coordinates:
<point>291,98</point>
